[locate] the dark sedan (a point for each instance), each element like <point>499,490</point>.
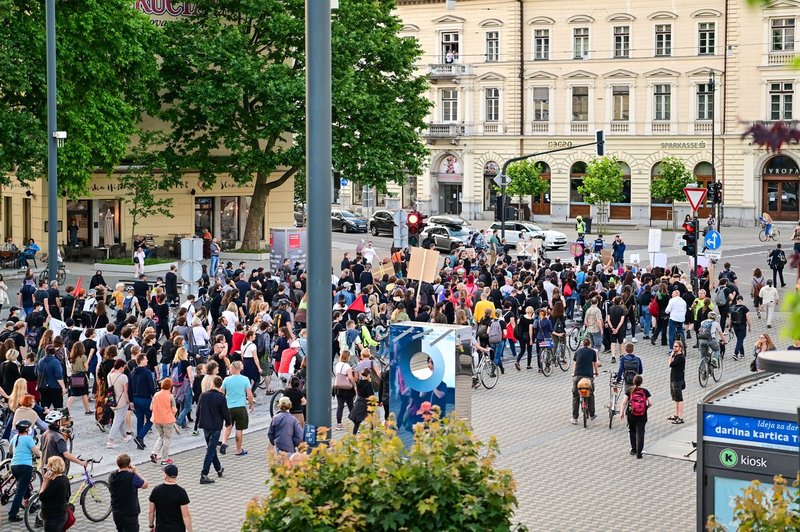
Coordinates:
<point>348,222</point>
<point>381,222</point>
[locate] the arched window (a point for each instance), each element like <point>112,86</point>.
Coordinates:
<point>621,210</point>
<point>541,202</point>
<point>577,206</point>
<point>660,208</point>
<point>490,171</point>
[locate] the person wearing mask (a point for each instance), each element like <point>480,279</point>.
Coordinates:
<point>769,301</point>
<point>54,495</point>
<point>677,381</point>
<point>142,388</point>
<point>585,367</point>
<point>285,432</point>
<point>213,412</point>
<point>635,405</point>
<point>124,485</point>
<point>169,505</point>
<point>24,449</point>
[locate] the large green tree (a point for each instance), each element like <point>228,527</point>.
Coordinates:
<point>526,180</point>
<point>235,95</point>
<point>107,78</point>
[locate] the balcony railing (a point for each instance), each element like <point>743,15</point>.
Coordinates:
<point>448,70</point>
<point>620,127</point>
<point>446,131</point>
<point>579,127</point>
<point>702,127</point>
<point>661,127</point>
<point>794,124</point>
<point>492,128</point>
<point>781,58</point>
<point>539,128</point>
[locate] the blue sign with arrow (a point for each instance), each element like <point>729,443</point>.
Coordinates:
<point>713,240</point>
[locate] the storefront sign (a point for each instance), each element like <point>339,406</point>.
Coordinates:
<point>750,460</point>
<point>782,171</point>
<point>172,8</point>
<point>683,145</point>
<point>559,144</point>
<point>751,431</point>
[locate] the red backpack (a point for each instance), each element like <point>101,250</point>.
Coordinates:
<point>638,402</point>
<point>653,307</point>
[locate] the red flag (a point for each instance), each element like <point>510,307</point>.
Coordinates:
<point>357,305</point>
<point>77,290</point>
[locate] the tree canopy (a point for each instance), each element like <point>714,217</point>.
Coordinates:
<point>107,78</point>
<point>234,80</point>
<point>603,181</point>
<point>672,176</point>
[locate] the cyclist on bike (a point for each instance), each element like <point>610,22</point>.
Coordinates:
<point>710,336</point>
<point>766,220</point>
<point>24,448</point>
<point>53,442</point>
<point>630,365</point>
<point>585,368</point>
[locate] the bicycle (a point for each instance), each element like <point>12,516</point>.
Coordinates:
<point>585,393</point>
<point>485,373</point>
<point>552,357</point>
<point>8,484</point>
<point>93,495</point>
<point>774,233</point>
<point>61,274</point>
<point>707,367</point>
<point>615,392</point>
<point>576,336</point>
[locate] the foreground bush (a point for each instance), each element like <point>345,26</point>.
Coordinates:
<point>445,481</point>
<point>759,510</point>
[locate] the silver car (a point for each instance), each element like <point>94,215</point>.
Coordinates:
<point>516,231</point>
<point>446,237</point>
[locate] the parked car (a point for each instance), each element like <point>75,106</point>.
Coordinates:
<point>381,222</point>
<point>445,237</point>
<point>516,231</point>
<point>348,222</point>
<point>447,219</point>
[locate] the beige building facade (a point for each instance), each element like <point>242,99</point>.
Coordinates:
<point>519,77</point>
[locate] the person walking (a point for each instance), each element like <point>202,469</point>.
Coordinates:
<point>585,368</point>
<point>769,301</point>
<point>777,260</point>
<point>524,336</point>
<point>124,484</point>
<point>237,390</point>
<point>142,387</point>
<point>117,400</point>
<point>676,310</point>
<point>51,379</point>
<point>54,495</point>
<point>285,432</point>
<point>212,412</point>
<point>24,449</point>
<point>796,238</point>
<point>635,405</point>
<point>740,323</point>
<point>169,505</point>
<point>164,408</point>
<point>79,381</point>
<point>343,386</point>
<point>677,381</point>
<point>364,390</point>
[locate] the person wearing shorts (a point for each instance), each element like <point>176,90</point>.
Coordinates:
<point>238,395</point>
<point>677,381</point>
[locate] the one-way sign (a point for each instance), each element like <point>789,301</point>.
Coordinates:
<point>502,180</point>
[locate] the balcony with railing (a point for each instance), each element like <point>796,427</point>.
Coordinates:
<point>492,128</point>
<point>446,131</point>
<point>781,58</point>
<point>702,127</point>
<point>619,127</point>
<point>579,127</point>
<point>539,127</point>
<point>660,126</point>
<point>448,70</point>
<point>793,124</point>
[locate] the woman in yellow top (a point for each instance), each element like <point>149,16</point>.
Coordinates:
<point>164,410</point>
<point>79,380</point>
<point>118,295</point>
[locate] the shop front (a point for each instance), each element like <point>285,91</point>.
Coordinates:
<point>450,179</point>
<point>780,185</point>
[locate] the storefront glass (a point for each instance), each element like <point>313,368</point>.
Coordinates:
<point>109,218</point>
<point>79,214</point>
<point>490,171</point>
<point>781,181</point>
<point>229,218</point>
<point>203,216</point>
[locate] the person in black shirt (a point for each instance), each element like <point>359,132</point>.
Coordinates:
<point>54,300</point>
<point>169,504</point>
<point>124,484</point>
<point>677,381</point>
<point>141,291</point>
<point>171,284</point>
<point>54,494</point>
<point>585,368</point>
<point>26,296</point>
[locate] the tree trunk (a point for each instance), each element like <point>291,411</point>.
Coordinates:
<point>255,217</point>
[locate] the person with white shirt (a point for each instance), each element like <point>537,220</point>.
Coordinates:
<point>189,306</point>
<point>201,337</point>
<point>676,309</point>
<point>549,287</point>
<point>769,300</point>
<point>368,252</point>
<point>231,314</point>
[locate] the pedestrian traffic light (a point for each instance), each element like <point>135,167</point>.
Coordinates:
<point>716,197</point>
<point>414,222</point>
<point>712,187</point>
<point>690,236</point>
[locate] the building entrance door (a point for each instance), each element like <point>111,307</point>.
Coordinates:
<point>80,213</point>
<point>449,199</point>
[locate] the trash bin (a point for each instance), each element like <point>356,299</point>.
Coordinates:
<point>588,221</point>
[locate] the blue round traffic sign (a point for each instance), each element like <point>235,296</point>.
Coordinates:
<point>713,240</point>
<point>343,182</point>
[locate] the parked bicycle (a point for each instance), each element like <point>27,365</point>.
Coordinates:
<point>94,496</point>
<point>552,356</point>
<point>485,372</point>
<point>615,392</point>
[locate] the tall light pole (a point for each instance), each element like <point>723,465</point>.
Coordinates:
<point>54,137</point>
<point>712,87</point>
<point>319,191</point>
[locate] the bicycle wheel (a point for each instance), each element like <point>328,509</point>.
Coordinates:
<point>574,338</point>
<point>489,374</point>
<point>716,371</point>
<point>762,236</point>
<point>61,275</point>
<point>775,234</point>
<point>547,362</point>
<point>31,516</point>
<point>564,361</point>
<point>611,414</point>
<point>5,469</point>
<point>585,409</point>
<point>36,481</point>
<point>702,372</point>
<point>273,403</point>
<point>96,501</point>
<point>44,276</point>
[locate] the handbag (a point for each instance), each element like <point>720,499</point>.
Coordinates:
<point>342,381</point>
<point>70,517</point>
<point>78,380</point>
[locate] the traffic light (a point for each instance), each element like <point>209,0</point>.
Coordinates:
<point>710,192</point>
<point>690,236</point>
<point>717,196</point>
<point>600,147</point>
<point>414,222</point>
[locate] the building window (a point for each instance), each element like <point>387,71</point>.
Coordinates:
<point>449,105</point>
<point>576,175</point>
<point>782,34</point>
<point>706,38</point>
<point>622,41</point>
<point>492,46</point>
<point>581,43</point>
<point>705,102</point>
<point>663,101</point>
<point>492,105</point>
<point>780,100</point>
<point>203,215</point>
<point>580,104</point>
<point>229,218</point>
<point>626,183</point>
<point>663,40</point>
<point>621,100</point>
<point>450,47</point>
<point>541,43</point>
<point>541,104</point>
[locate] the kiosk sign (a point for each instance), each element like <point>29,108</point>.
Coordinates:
<point>751,431</point>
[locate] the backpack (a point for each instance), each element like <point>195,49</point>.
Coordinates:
<point>737,316</point>
<point>630,368</point>
<point>179,383</point>
<point>757,286</point>
<point>638,402</point>
<point>483,331</point>
<point>721,298</point>
<point>127,304</point>
<point>32,339</point>
<point>704,332</point>
<point>495,332</point>
<point>350,337</point>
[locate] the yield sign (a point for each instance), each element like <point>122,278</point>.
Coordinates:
<point>696,196</point>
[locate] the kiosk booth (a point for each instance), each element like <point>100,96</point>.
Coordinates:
<point>747,430</point>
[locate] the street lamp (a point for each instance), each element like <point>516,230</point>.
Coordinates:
<point>712,88</point>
